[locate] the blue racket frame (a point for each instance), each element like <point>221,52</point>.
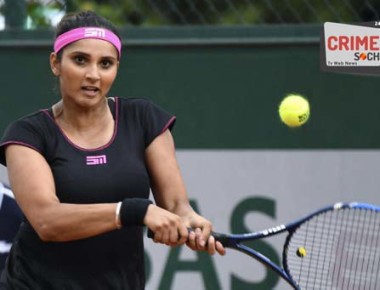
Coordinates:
<point>233,240</point>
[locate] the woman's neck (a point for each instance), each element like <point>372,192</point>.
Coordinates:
<point>86,128</point>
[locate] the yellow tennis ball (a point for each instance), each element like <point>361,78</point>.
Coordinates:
<point>301,252</point>
<point>294,110</point>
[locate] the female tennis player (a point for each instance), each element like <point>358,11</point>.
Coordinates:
<point>81,171</point>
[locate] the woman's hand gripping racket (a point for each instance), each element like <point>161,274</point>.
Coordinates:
<point>336,247</point>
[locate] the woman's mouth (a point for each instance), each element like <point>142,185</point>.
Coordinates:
<point>90,90</point>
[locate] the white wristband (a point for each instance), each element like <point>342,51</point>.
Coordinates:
<point>117,216</point>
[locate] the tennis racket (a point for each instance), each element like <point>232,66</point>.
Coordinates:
<point>336,247</point>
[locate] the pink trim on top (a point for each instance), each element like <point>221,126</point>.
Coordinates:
<point>172,119</point>
<point>87,32</point>
<point>19,143</point>
<point>46,111</point>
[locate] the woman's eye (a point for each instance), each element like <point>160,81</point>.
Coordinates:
<point>106,63</point>
<point>79,59</point>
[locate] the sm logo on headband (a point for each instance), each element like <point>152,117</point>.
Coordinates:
<point>94,32</point>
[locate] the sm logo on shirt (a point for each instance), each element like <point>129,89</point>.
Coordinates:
<point>96,160</point>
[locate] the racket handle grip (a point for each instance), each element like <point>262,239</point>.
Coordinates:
<point>223,239</point>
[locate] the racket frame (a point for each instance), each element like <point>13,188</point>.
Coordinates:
<point>233,241</point>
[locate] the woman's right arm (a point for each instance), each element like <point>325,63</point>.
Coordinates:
<point>32,182</point>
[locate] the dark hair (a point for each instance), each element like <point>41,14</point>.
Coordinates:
<point>83,19</point>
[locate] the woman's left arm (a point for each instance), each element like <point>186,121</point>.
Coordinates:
<point>170,193</point>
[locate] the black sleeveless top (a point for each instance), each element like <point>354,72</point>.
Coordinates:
<point>117,170</point>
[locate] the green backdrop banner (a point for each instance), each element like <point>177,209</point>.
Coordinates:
<point>223,84</point>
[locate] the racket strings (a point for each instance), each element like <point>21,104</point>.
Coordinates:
<point>356,248</point>
<point>342,251</point>
<point>312,236</point>
<point>326,258</point>
<point>326,231</point>
<point>355,243</point>
<point>364,265</point>
<point>343,244</point>
<point>309,273</point>
<point>376,263</point>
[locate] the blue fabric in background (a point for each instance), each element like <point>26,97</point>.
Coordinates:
<point>10,219</point>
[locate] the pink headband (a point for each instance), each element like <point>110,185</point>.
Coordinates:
<point>87,32</point>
